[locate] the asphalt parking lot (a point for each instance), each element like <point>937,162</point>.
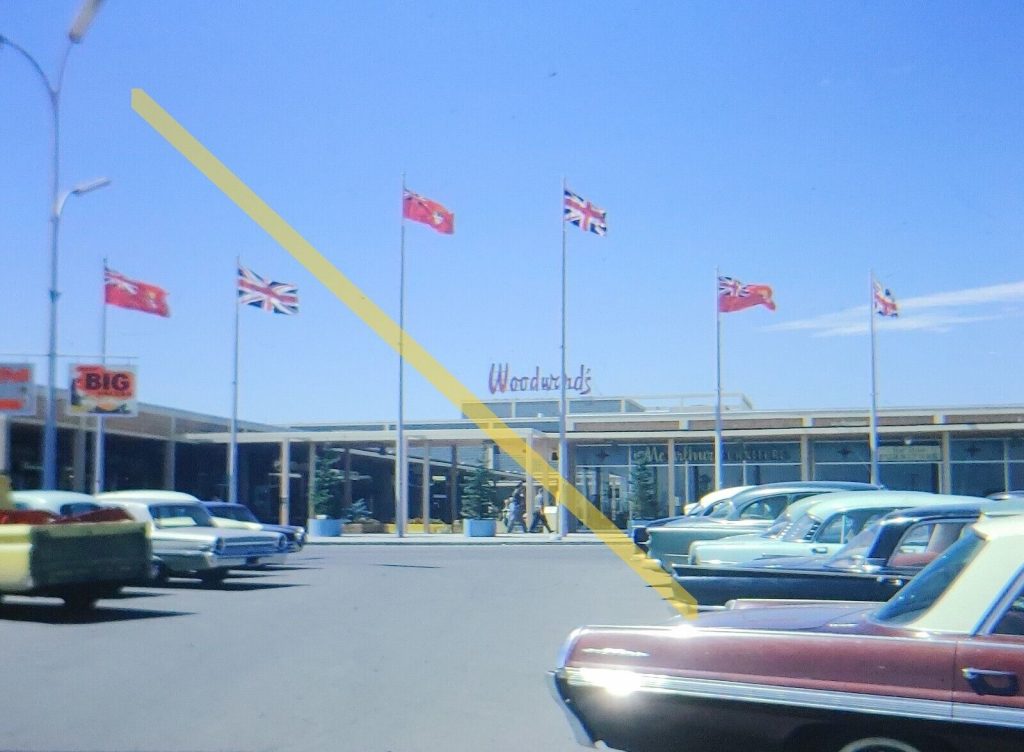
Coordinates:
<point>375,648</point>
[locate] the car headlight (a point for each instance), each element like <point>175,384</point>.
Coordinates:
<point>219,546</point>
<point>282,543</point>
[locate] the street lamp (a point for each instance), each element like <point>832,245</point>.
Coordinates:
<point>79,27</point>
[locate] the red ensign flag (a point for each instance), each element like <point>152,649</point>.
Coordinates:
<point>420,209</point>
<point>123,292</point>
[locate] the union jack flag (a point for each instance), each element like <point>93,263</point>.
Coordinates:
<point>275,297</point>
<point>584,214</point>
<point>884,301</point>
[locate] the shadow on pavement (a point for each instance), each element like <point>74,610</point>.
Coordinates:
<point>408,566</point>
<point>229,585</point>
<point>53,613</point>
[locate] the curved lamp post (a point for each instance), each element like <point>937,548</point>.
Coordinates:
<point>75,34</point>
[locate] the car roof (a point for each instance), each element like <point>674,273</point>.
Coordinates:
<point>222,504</point>
<point>722,493</point>
<point>823,486</point>
<point>957,506</point>
<point>147,495</point>
<point>833,503</point>
<point>63,497</point>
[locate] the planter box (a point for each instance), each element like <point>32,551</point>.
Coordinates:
<point>353,527</point>
<point>324,528</point>
<point>479,528</point>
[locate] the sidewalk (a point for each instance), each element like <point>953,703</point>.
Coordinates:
<point>456,539</point>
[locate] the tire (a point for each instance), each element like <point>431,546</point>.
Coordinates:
<point>80,601</point>
<point>160,575</point>
<point>213,576</point>
<point>879,744</point>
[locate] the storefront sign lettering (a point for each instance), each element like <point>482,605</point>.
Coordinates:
<point>502,380</point>
<point>17,389</point>
<point>700,454</point>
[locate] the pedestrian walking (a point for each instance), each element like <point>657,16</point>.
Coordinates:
<point>539,518</point>
<point>517,509</point>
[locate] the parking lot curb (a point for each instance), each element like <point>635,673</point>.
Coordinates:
<point>449,539</point>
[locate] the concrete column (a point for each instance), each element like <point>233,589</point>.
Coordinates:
<point>310,480</point>
<point>531,489</point>
<point>945,468</point>
<point>5,445</point>
<point>672,505</point>
<point>453,484</point>
<point>347,487</point>
<point>78,455</point>
<point>285,482</point>
<point>425,488</point>
<point>806,472</point>
<point>170,464</point>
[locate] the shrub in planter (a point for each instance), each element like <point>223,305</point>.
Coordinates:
<point>480,508</point>
<point>643,492</point>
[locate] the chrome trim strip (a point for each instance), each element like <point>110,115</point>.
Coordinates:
<point>989,715</point>
<point>819,699</point>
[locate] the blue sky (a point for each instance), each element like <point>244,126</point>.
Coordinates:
<point>794,144</point>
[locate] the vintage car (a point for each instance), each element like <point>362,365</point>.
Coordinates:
<point>936,669</point>
<point>871,567</point>
<point>750,511</point>
<point>700,508</point>
<point>186,541</point>
<point>827,524</point>
<point>57,544</point>
<point>239,516</point>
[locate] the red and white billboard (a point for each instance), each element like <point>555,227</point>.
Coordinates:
<point>102,390</point>
<point>17,389</point>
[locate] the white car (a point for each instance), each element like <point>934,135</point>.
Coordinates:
<point>187,543</point>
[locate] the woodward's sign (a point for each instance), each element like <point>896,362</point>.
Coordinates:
<point>17,389</point>
<point>99,390</point>
<point>504,379</point>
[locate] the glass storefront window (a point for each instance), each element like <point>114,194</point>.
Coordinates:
<point>977,478</point>
<point>976,450</point>
<point>841,451</point>
<point>858,472</point>
<point>910,476</point>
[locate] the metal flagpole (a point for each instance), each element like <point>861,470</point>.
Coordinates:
<point>718,387</point>
<point>873,436</point>
<point>233,447</point>
<point>401,486</point>
<point>97,457</point>
<point>563,406</point>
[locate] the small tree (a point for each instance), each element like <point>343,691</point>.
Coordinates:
<point>326,480</point>
<point>479,495</point>
<point>643,492</point>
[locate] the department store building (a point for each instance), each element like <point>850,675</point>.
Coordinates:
<point>973,451</point>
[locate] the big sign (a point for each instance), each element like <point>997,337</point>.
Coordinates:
<point>101,390</point>
<point>17,389</point>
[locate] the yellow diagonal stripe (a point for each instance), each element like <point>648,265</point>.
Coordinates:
<point>415,354</point>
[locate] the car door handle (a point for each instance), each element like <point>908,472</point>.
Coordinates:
<point>891,581</point>
<point>1002,683</point>
<point>819,550</point>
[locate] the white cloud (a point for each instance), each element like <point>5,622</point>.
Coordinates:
<point>924,312</point>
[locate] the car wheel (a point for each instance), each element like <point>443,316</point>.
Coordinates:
<point>159,574</point>
<point>213,576</point>
<point>878,744</point>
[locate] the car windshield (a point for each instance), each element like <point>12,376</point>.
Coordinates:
<point>720,509</point>
<point>179,515</point>
<point>227,511</point>
<point>854,552</point>
<point>925,589</point>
